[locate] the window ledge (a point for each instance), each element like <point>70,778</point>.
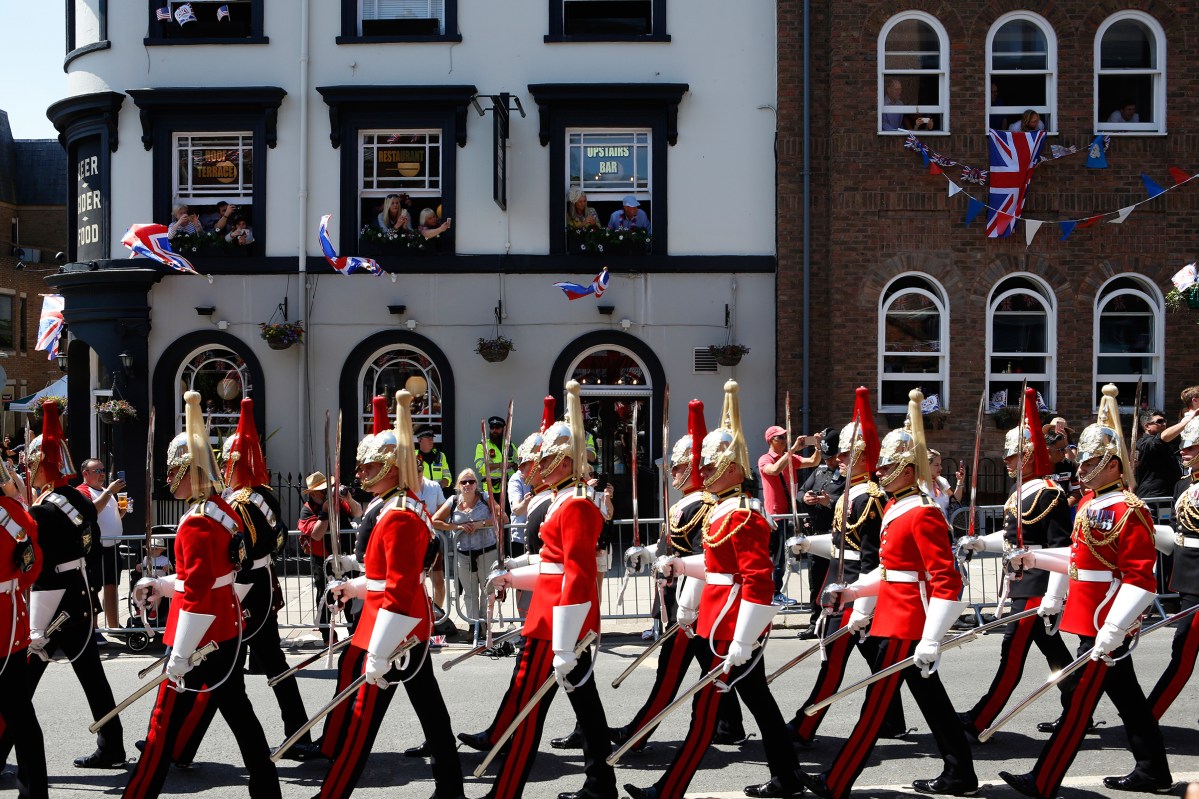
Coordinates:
<point>160,42</point>
<point>918,133</point>
<point>1127,133</point>
<point>447,38</point>
<point>81,51</point>
<point>551,38</point>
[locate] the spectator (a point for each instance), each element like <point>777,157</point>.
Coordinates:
<point>580,215</point>
<point>1126,114</point>
<point>819,494</point>
<point>7,451</point>
<point>1059,424</point>
<point>1155,463</point>
<point>395,214</point>
<point>240,234</point>
<point>433,495</point>
<point>469,517</point>
<point>604,491</point>
<point>488,459</point>
<point>1065,472</point>
<point>110,513</point>
<point>520,494</point>
<point>215,223</point>
<point>432,460</point>
<point>185,222</point>
<point>895,121</point>
<point>430,226</point>
<point>945,497</point>
<point>156,561</point>
<point>1190,406</point>
<point>629,217</point>
<point>996,121</point>
<point>1028,122</point>
<point>314,527</point>
<point>774,468</point>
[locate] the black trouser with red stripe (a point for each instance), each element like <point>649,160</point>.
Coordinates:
<point>1018,638</point>
<point>365,715</point>
<point>16,709</point>
<point>1183,652</point>
<point>508,703</point>
<point>934,703</point>
<point>350,663</point>
<point>828,680</point>
<point>751,687</point>
<point>535,667</point>
<point>171,714</point>
<point>1119,682</point>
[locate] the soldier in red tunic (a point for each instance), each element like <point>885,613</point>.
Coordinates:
<point>204,609</point>
<point>1110,566</point>
<point>734,611</point>
<point>916,588</point>
<point>396,608</point>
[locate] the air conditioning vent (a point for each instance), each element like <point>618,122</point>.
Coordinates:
<point>703,362</point>
<point>29,255</point>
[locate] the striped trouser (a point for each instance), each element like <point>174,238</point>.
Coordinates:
<point>1183,652</point>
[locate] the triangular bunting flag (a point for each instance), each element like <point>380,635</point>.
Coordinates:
<point>973,209</point>
<point>1067,229</point>
<point>924,154</point>
<point>933,169</point>
<point>1005,223</point>
<point>953,188</point>
<point>1150,186</point>
<point>1178,175</point>
<point>1124,213</point>
<point>1096,157</point>
<point>1031,226</point>
<point>1090,220</point>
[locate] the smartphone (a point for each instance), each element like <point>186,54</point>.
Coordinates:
<point>121,476</point>
<point>601,484</point>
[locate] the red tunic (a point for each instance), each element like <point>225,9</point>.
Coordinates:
<point>1129,555</point>
<point>201,559</point>
<point>914,538</point>
<point>569,536</point>
<point>17,518</point>
<point>395,558</point>
<point>736,543</point>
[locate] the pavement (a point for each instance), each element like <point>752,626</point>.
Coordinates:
<point>473,689</point>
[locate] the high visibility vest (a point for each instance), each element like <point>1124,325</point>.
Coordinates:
<point>495,463</point>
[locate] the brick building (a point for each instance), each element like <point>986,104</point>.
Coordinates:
<point>902,292</point>
<point>32,231</point>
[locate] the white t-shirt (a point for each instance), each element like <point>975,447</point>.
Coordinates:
<point>110,516</point>
<point>431,494</point>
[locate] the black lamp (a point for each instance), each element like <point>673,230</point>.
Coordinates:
<point>606,310</point>
<point>205,310</point>
<point>63,360</point>
<point>126,362</point>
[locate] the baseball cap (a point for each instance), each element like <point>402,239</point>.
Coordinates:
<point>631,201</point>
<point>773,431</point>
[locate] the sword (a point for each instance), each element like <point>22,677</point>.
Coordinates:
<point>308,661</point>
<point>664,530</point>
<point>1056,677</point>
<point>790,489</point>
<point>478,650</point>
<point>141,675</point>
<point>349,691</point>
<point>28,474</point>
<point>844,500</point>
<point>952,643</point>
<point>807,653</point>
<point>674,628</point>
<point>149,515</point>
<point>334,525</point>
<point>628,567</point>
<point>194,659</point>
<point>970,530</point>
<point>549,683</point>
<point>1135,432</point>
<point>504,548</point>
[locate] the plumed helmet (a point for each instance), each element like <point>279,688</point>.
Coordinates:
<point>245,465</point>
<point>378,446</point>
<point>686,450</point>
<point>866,446</point>
<point>906,445</point>
<point>405,454</point>
<point>5,475</point>
<point>527,451</point>
<point>1027,439</point>
<point>725,445</point>
<point>1190,433</point>
<point>49,450</point>
<point>190,453</point>
<point>1103,440</point>
<point>380,420</point>
<point>565,439</point>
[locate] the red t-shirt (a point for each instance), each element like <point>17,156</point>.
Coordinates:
<point>774,487</point>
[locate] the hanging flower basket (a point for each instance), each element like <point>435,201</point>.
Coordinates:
<point>495,349</point>
<point>281,335</point>
<point>58,400</point>
<point>115,411</point>
<point>1188,297</point>
<point>728,354</point>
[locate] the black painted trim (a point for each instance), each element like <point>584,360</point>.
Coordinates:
<point>616,338</point>
<point>556,28</point>
<point>554,265</point>
<point>257,21</point>
<point>85,114</point>
<point>73,51</point>
<point>549,39</point>
<point>82,51</point>
<point>156,42</point>
<point>347,389</point>
<point>349,28</point>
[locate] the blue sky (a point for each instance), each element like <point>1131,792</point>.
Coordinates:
<point>31,63</point>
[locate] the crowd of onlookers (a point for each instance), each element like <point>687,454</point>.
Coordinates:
<point>224,223</point>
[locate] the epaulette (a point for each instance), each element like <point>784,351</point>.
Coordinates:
<point>874,489</point>
<point>1132,500</point>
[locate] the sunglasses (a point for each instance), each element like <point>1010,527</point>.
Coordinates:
<point>467,482</point>
<point>1157,421</point>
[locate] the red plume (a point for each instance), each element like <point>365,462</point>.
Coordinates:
<point>249,468</point>
<point>54,444</point>
<point>549,406</point>
<point>1032,418</point>
<point>869,433</point>
<point>697,428</point>
<point>382,421</point>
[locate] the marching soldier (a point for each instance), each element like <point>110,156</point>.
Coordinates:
<point>20,565</point>
<point>564,608</point>
<point>65,524</point>
<point>682,538</point>
<point>1110,566</point>
<point>396,608</point>
<point>859,535</point>
<point>258,512</point>
<point>1044,510</point>
<point>915,592</point>
<point>204,610</point>
<point>736,565</point>
<point>1184,580</point>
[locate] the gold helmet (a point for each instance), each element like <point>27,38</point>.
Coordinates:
<point>905,446</point>
<point>190,453</point>
<point>684,451</point>
<point>527,451</point>
<point>865,446</point>
<point>565,439</point>
<point>5,475</point>
<point>1189,438</point>
<point>378,446</point>
<point>408,469</point>
<point>49,450</point>
<point>1103,440</point>
<point>725,445</point>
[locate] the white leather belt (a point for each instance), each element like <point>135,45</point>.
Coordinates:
<point>901,576</point>
<point>8,586</point>
<point>853,554</point>
<point>376,585</point>
<point>1031,547</point>
<point>1091,575</point>
<point>220,582</point>
<point>718,578</point>
<point>1190,543</point>
<point>261,563</point>
<point>69,566</point>
<point>547,567</point>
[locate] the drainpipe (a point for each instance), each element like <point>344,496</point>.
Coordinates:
<point>303,389</point>
<point>807,212</point>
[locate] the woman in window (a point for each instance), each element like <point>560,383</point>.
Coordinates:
<point>1029,122</point>
<point>580,215</point>
<point>395,214</point>
<point>185,222</point>
<point>431,226</point>
<point>468,516</point>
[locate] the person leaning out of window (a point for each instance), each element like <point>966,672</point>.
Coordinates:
<point>395,214</point>
<point>1029,122</point>
<point>240,233</point>
<point>431,225</point>
<point>185,222</point>
<point>580,215</point>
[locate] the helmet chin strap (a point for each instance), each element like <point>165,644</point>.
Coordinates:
<point>718,472</point>
<point>387,464</point>
<point>180,471</point>
<point>1087,478</point>
<point>890,476</point>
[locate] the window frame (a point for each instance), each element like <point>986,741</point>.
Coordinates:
<point>257,31</point>
<point>884,74</point>
<point>350,10</point>
<point>216,421</point>
<point>74,49</point>
<point>9,296</point>
<point>382,193</point>
<point>1159,76</point>
<point>557,25</point>
<point>1147,291</point>
<point>935,292</point>
<point>201,199</point>
<point>1050,72</point>
<point>436,421</point>
<point>1048,300</point>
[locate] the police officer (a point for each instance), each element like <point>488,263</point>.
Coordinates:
<point>489,457</point>
<point>433,462</point>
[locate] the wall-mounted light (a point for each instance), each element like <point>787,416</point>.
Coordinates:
<point>126,362</point>
<point>625,324</point>
<point>205,310</point>
<point>411,324</point>
<point>397,310</point>
<point>63,360</point>
<point>606,310</point>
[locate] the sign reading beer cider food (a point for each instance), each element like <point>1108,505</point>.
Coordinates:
<point>91,204</point>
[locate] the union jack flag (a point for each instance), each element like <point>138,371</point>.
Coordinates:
<point>163,14</point>
<point>575,291</point>
<point>1013,158</point>
<point>973,174</point>
<point>49,325</point>
<point>998,400</point>
<point>184,14</point>
<point>150,241</point>
<point>345,264</point>
<point>941,160</point>
<point>222,13</point>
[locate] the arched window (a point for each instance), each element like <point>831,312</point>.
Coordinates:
<point>1021,340</point>
<point>1129,339</point>
<point>1130,74</point>
<point>1021,70</point>
<point>913,74</point>
<point>612,382</point>
<point>913,322</point>
<point>393,368</point>
<point>221,377</point>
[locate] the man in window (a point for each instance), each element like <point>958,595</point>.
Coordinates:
<point>219,220</point>
<point>629,217</point>
<point>1126,114</point>
<point>893,97</point>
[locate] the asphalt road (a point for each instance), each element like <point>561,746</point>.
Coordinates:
<point>472,691</point>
